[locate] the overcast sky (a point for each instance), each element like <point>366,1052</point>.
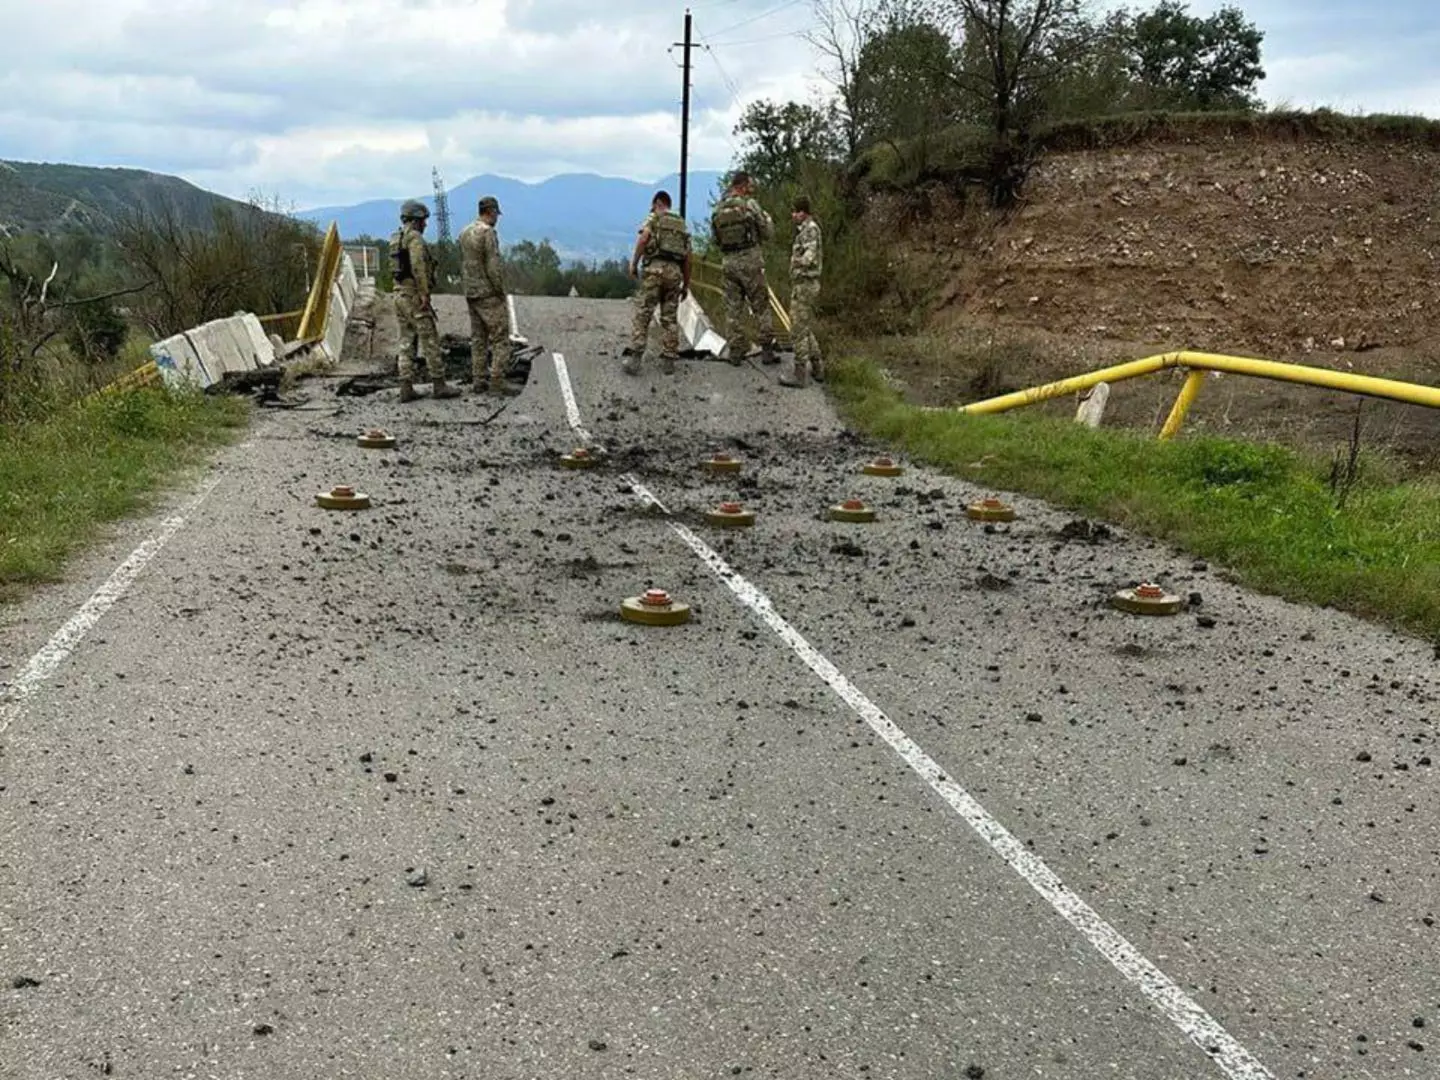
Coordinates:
<point>335,101</point>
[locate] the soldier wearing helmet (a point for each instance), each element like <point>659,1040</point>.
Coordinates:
<point>414,267</point>
<point>482,275</point>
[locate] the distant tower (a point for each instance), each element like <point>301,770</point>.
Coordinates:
<point>444,248</point>
<point>442,208</point>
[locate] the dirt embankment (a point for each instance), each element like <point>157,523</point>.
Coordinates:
<point>1316,251</point>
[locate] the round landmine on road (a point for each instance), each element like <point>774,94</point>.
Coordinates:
<point>730,515</point>
<point>990,509</point>
<point>376,439</point>
<point>579,458</point>
<point>1147,599</point>
<point>342,497</point>
<point>851,510</point>
<point>654,608</point>
<point>882,466</point>
<point>721,462</point>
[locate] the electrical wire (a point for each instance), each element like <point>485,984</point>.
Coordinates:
<point>756,18</point>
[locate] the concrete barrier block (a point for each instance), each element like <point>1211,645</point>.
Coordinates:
<point>242,347</point>
<point>261,347</point>
<point>340,304</point>
<point>218,349</point>
<point>334,339</point>
<point>349,283</point>
<point>179,363</point>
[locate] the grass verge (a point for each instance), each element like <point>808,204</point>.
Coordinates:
<point>99,459</point>
<point>1265,512</point>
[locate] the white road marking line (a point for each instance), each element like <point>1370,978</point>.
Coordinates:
<point>55,651</point>
<point>1183,1011</point>
<point>514,323</point>
<point>572,410</point>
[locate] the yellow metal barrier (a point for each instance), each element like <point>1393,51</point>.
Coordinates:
<point>1196,363</point>
<point>146,374</point>
<point>775,305</point>
<point>317,308</point>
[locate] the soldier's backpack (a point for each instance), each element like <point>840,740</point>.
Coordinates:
<point>671,240</point>
<point>735,226</point>
<point>400,257</point>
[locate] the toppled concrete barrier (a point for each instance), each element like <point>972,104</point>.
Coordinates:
<point>203,355</point>
<point>179,363</point>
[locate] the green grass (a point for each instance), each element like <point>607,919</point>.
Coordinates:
<point>65,475</point>
<point>1265,512</point>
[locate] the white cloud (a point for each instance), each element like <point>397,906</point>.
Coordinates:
<point>332,101</point>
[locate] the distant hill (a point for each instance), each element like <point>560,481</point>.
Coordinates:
<point>585,216</point>
<point>44,198</point>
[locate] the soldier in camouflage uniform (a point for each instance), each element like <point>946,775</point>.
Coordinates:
<point>414,272</point>
<point>738,226</point>
<point>482,275</point>
<point>805,266</point>
<point>664,244</point>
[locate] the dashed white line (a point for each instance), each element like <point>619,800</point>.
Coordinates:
<point>572,410</point>
<point>514,323</point>
<point>55,651</point>
<point>1183,1011</point>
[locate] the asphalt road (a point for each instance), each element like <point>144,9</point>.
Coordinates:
<point>397,794</point>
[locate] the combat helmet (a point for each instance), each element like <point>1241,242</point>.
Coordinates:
<point>412,210</point>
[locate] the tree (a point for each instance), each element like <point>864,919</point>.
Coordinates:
<point>534,268</point>
<point>778,139</point>
<point>842,30</point>
<point>905,80</point>
<point>1013,53</point>
<point>1209,63</point>
<point>249,260</point>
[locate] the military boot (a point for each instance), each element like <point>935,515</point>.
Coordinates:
<point>407,391</point>
<point>767,354</point>
<point>794,377</point>
<point>667,364</point>
<point>501,385</point>
<point>439,388</point>
<point>631,364</point>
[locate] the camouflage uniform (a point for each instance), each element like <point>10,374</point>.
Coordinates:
<point>414,272</point>
<point>482,277</point>
<point>661,284</point>
<point>739,240</point>
<point>805,266</point>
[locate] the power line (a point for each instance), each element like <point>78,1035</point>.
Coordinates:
<point>762,40</point>
<point>756,18</point>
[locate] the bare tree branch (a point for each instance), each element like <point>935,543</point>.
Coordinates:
<point>104,296</point>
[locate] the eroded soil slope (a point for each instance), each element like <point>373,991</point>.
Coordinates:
<point>1320,252</point>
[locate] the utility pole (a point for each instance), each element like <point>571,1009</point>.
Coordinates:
<point>685,114</point>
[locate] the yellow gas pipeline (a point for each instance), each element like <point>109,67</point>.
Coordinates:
<point>1197,363</point>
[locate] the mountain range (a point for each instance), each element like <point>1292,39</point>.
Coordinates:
<point>584,216</point>
<point>48,198</point>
